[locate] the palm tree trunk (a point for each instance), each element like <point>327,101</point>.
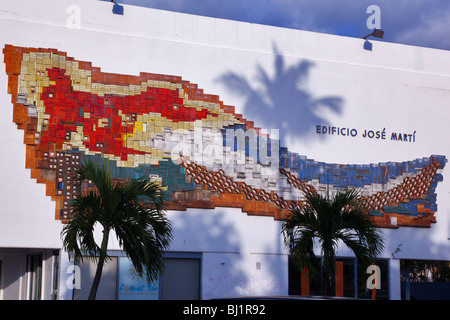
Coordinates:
<point>96,282</point>
<point>101,261</point>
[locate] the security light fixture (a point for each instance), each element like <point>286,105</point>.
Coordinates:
<point>117,8</point>
<point>367,45</point>
<point>377,33</point>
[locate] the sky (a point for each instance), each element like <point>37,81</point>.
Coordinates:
<point>424,23</point>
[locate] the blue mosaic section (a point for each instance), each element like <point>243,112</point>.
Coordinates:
<point>362,176</point>
<point>343,176</point>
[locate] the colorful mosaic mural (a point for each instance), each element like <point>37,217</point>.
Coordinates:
<point>204,154</point>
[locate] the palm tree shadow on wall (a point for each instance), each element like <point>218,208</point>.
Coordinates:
<point>282,101</point>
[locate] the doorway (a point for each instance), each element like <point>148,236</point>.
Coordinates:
<point>180,279</point>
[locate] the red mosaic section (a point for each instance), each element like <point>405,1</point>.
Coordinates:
<point>65,107</point>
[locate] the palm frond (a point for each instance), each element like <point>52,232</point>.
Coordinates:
<point>78,234</point>
<point>329,221</point>
<point>132,208</point>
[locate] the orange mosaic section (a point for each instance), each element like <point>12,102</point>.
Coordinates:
<point>238,194</point>
<point>13,58</point>
<point>252,201</point>
<point>414,188</point>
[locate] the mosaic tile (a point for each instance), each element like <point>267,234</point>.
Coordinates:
<point>203,153</point>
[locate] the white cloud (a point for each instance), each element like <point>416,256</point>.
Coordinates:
<point>431,30</point>
<point>418,22</point>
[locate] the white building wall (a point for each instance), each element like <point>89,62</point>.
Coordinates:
<point>396,87</point>
<point>242,255</point>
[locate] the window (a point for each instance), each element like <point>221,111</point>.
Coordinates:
<point>107,287</point>
<point>34,276</point>
<point>425,280</point>
<point>54,293</point>
<point>295,279</point>
<point>347,282</point>
<point>379,294</point>
<point>180,279</point>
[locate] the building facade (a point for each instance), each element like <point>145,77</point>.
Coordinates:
<point>236,121</point>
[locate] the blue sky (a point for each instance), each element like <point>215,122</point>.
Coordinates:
<point>423,23</point>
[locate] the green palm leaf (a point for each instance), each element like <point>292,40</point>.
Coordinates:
<point>328,222</point>
<point>132,209</point>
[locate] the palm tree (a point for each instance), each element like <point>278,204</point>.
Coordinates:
<point>141,229</point>
<point>328,222</point>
